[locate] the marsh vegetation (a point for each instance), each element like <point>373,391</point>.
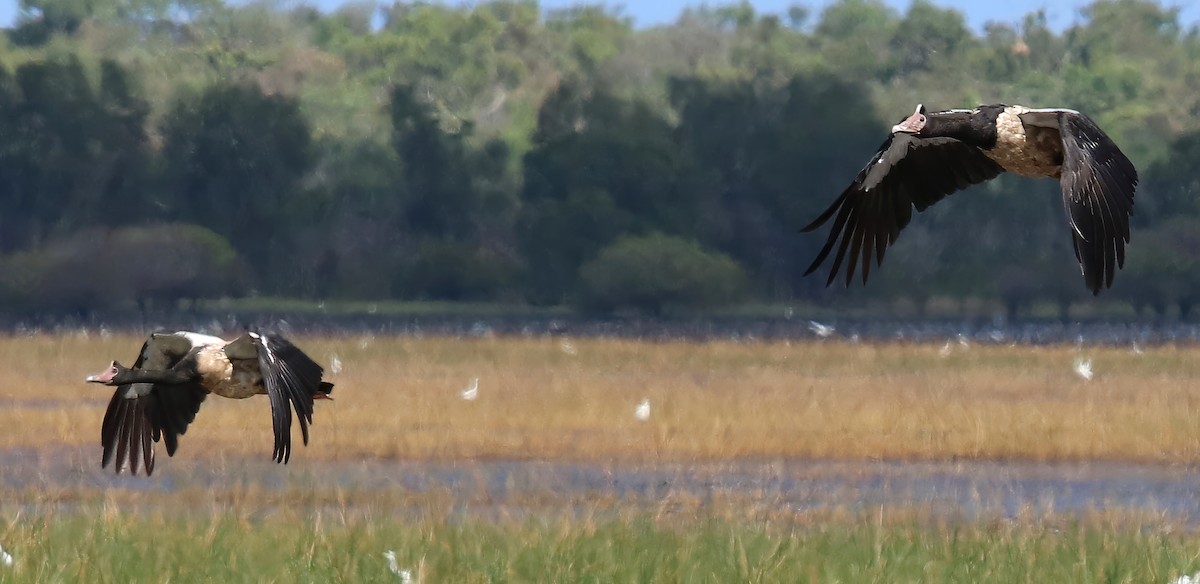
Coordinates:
<point>358,489</point>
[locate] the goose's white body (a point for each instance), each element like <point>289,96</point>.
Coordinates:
<point>1028,142</point>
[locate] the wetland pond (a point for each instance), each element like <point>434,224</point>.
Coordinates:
<point>949,490</point>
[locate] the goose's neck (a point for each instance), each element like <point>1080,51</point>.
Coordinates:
<point>159,376</point>
<point>977,128</point>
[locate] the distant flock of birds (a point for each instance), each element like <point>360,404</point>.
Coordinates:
<point>926,157</point>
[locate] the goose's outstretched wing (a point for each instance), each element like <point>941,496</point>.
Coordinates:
<point>1098,183</point>
<point>142,413</point>
<point>907,173</point>
<point>291,379</point>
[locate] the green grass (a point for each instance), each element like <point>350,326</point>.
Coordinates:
<point>99,545</point>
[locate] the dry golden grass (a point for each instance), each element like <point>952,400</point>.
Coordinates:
<point>399,398</point>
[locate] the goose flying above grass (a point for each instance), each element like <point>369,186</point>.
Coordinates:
<point>159,396</point>
<point>931,155</point>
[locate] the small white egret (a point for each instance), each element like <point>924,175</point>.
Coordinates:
<point>471,392</point>
<point>1185,579</point>
<point>482,329</point>
<point>946,350</point>
<point>1083,368</point>
<point>405,575</point>
<point>5,557</point>
<point>821,330</point>
<point>568,347</point>
<point>643,410</point>
<point>335,364</point>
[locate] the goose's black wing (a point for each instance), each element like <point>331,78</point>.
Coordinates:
<point>1098,182</point>
<point>291,379</point>
<point>907,172</point>
<point>139,413</point>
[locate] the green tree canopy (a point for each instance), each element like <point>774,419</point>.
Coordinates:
<point>235,162</point>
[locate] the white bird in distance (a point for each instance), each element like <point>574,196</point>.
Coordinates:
<point>568,347</point>
<point>643,410</point>
<point>1185,579</point>
<point>471,392</point>
<point>1083,368</point>
<point>405,575</point>
<point>821,330</point>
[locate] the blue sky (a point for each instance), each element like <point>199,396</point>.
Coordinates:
<point>1061,14</point>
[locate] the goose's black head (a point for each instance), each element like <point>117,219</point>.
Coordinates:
<point>976,127</point>
<point>114,375</point>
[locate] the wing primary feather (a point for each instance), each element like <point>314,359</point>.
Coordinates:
<point>123,437</point>
<point>111,428</point>
<point>825,216</point>
<point>856,243</point>
<point>870,230</point>
<point>144,433</point>
<point>846,236</point>
<point>834,233</point>
<point>135,438</point>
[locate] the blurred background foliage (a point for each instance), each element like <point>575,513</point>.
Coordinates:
<point>161,151</point>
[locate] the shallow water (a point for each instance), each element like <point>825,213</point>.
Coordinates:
<point>950,490</point>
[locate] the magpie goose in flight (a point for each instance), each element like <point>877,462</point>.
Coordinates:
<point>932,154</point>
<point>174,372</point>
